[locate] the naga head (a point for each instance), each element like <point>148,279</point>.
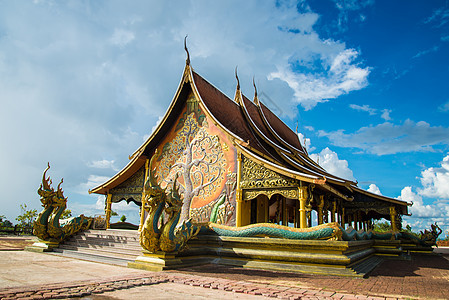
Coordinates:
<point>45,190</point>
<point>173,201</point>
<point>152,188</point>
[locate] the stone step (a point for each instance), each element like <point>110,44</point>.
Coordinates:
<point>122,234</point>
<point>105,240</point>
<point>93,257</point>
<point>110,252</point>
<point>366,266</point>
<point>117,247</point>
<point>110,248</point>
<point>104,243</point>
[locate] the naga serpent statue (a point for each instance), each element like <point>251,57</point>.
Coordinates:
<point>47,226</point>
<point>157,234</point>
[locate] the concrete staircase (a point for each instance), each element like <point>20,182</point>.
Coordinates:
<point>113,246</point>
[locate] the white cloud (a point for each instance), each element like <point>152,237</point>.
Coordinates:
<point>92,181</point>
<point>424,52</point>
<point>388,138</point>
<point>122,37</point>
<point>435,181</point>
<point>103,164</point>
<point>329,160</point>
<point>305,142</point>
<point>386,114</point>
<point>418,209</point>
<point>430,202</point>
<point>341,77</point>
<point>365,107</point>
<point>374,189</point>
<point>444,107</point>
<point>92,79</point>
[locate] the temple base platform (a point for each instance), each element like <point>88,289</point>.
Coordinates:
<point>354,258</point>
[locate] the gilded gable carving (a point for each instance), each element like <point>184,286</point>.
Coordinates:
<point>130,188</point>
<point>255,175</point>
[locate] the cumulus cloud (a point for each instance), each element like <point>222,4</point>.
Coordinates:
<point>389,138</point>
<point>306,142</point>
<point>374,189</point>
<point>329,160</point>
<point>430,202</point>
<point>103,164</point>
<point>342,76</point>
<point>88,83</point>
<point>435,181</point>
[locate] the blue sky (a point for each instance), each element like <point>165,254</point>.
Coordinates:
<point>83,83</point>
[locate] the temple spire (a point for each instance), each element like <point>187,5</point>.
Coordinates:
<point>238,96</point>
<point>187,50</point>
<point>256,99</point>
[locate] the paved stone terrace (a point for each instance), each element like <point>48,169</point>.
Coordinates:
<point>83,288</point>
<point>424,277</point>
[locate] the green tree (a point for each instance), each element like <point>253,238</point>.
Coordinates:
<point>27,216</point>
<point>123,218</point>
<point>382,226</point>
<point>113,213</point>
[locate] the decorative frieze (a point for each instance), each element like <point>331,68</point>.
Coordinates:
<point>256,176</point>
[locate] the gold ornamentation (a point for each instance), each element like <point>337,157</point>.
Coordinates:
<point>157,235</point>
<point>47,227</point>
<point>291,193</point>
<point>255,175</point>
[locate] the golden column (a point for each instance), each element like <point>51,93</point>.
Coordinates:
<point>393,214</point>
<point>238,192</point>
<point>333,210</point>
<point>320,209</point>
<point>343,217</point>
<point>302,197</point>
<point>284,212</point>
<point>108,210</point>
<point>143,200</point>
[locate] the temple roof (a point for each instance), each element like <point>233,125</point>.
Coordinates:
<point>255,130</point>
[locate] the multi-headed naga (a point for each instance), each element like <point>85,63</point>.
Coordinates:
<point>157,234</point>
<point>47,226</point>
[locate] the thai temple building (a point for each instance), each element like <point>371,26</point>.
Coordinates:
<point>240,155</point>
<point>225,181</point>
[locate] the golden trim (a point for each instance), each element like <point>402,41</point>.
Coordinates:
<point>108,210</point>
<point>238,193</point>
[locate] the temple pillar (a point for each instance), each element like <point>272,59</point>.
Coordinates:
<point>393,214</point>
<point>108,210</point>
<point>302,197</point>
<point>334,208</point>
<point>284,212</point>
<point>320,209</point>
<point>238,193</point>
<point>356,221</point>
<point>343,217</point>
<point>143,200</point>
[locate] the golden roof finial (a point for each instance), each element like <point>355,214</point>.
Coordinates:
<point>256,99</point>
<point>185,48</point>
<point>237,77</point>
